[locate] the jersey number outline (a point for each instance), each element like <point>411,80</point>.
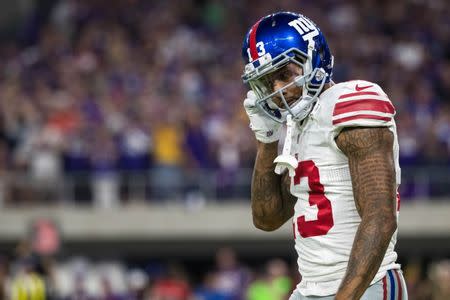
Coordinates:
<point>324,221</point>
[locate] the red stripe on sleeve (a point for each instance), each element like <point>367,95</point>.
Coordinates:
<point>363,104</point>
<point>355,117</point>
<point>384,288</point>
<point>359,94</point>
<point>398,201</point>
<point>399,284</point>
<point>252,41</point>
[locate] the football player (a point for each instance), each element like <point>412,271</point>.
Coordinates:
<point>338,173</point>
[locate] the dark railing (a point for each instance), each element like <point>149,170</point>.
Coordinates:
<point>159,185</point>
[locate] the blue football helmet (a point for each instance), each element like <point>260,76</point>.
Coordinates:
<point>272,43</point>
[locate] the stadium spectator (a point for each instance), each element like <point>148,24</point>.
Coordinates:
<point>440,276</point>
<point>172,285</point>
<point>231,278</point>
<point>274,284</point>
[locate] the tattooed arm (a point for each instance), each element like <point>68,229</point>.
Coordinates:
<point>272,202</point>
<point>370,157</point>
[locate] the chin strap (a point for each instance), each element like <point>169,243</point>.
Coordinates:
<point>286,160</point>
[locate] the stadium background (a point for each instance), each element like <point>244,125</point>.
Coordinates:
<point>125,154</point>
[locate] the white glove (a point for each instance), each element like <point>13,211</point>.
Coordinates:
<point>266,130</point>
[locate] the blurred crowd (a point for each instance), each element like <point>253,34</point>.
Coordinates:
<point>226,277</point>
<point>108,100</point>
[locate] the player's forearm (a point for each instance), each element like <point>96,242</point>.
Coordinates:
<point>369,247</point>
<point>271,203</point>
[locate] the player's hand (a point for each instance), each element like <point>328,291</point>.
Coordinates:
<point>266,130</point>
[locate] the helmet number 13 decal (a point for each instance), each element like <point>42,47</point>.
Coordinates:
<point>260,48</point>
<point>305,28</point>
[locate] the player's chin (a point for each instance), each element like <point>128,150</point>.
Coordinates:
<point>292,101</point>
<point>277,102</point>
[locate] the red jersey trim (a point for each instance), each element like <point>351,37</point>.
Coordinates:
<point>363,104</point>
<point>384,288</point>
<point>356,117</point>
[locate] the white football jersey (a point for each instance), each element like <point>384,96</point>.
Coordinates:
<point>326,220</point>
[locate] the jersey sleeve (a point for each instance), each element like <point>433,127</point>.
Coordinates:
<point>364,105</point>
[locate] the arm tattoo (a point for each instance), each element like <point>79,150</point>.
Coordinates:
<point>370,157</point>
<point>272,203</point>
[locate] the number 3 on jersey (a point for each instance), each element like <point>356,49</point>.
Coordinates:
<point>324,221</point>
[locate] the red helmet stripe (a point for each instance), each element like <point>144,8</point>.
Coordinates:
<point>252,40</point>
